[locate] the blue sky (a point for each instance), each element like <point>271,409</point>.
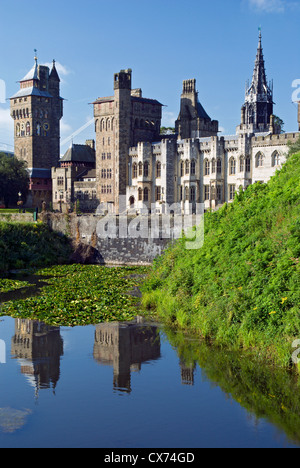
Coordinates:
<point>163,41</point>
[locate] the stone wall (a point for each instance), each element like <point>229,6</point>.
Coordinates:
<point>114,245</point>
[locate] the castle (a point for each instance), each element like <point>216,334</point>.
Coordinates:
<point>131,166</point>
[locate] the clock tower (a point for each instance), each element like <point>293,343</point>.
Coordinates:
<point>37,109</point>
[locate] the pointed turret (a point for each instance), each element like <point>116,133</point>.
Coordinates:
<point>258,107</point>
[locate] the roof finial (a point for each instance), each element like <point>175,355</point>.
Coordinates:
<point>35,55</point>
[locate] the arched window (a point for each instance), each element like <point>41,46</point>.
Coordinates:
<point>146,194</point>
<point>275,159</point>
<point>140,194</point>
<point>242,164</point>
<point>248,164</point>
<point>187,194</point>
<point>146,169</point>
<point>131,202</point>
<point>259,160</point>
<point>213,166</point>
<point>187,167</point>
<point>193,167</point>
<point>140,169</point>
<point>232,166</point>
<point>158,169</point>
<point>206,167</point>
<point>219,166</point>
<point>193,194</point>
<point>18,130</point>
<point>134,171</point>
<point>181,169</point>
<point>96,125</point>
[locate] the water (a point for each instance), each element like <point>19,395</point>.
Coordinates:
<point>136,385</point>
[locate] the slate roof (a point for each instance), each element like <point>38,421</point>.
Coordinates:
<point>31,91</point>
<point>79,153</point>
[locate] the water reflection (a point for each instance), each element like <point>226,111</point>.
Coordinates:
<point>38,348</point>
<point>125,346</point>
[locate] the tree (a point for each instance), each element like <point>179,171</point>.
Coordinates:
<point>279,124</point>
<point>294,147</point>
<point>14,179</point>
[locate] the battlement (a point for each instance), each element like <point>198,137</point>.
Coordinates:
<point>280,139</point>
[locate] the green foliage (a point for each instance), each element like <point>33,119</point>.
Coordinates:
<point>81,295</point>
<point>31,245</point>
<point>14,178</point>
<point>242,287</point>
<point>294,147</point>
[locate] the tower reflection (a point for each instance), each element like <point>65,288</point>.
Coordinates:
<point>125,346</point>
<point>38,348</point>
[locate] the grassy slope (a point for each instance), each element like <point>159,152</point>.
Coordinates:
<point>242,287</point>
<point>29,245</point>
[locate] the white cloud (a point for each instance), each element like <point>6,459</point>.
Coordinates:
<point>168,119</point>
<point>61,69</point>
<point>268,6</point>
<point>6,129</point>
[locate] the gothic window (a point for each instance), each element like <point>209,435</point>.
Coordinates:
<point>146,194</point>
<point>94,194</point>
<point>275,159</point>
<point>231,191</point>
<point>157,193</point>
<point>193,194</point>
<point>96,125</point>
<point>140,169</point>
<point>158,169</point>
<point>219,166</point>
<point>140,194</point>
<point>146,169</point>
<point>187,194</point>
<point>134,171</point>
<point>248,164</point>
<point>219,192</point>
<point>187,167</point>
<point>259,160</point>
<point>206,192</point>
<point>213,166</point>
<point>242,164</point>
<point>232,166</point>
<point>28,128</point>
<point>182,169</point>
<point>193,167</point>
<point>112,124</point>
<point>108,124</point>
<point>18,130</point>
<point>206,167</point>
<point>38,129</point>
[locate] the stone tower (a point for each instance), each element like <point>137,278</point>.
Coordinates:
<point>37,109</point>
<point>121,121</point>
<point>193,121</point>
<point>257,111</point>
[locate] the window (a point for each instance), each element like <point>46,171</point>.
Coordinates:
<point>157,193</point>
<point>242,164</point>
<point>140,169</point>
<point>206,192</point>
<point>275,159</point>
<point>140,194</point>
<point>103,156</point>
<point>109,173</point>
<point>134,171</point>
<point>213,166</point>
<point>231,191</point>
<point>219,192</point>
<point>187,167</point>
<point>232,166</point>
<point>108,155</point>
<point>60,181</point>
<point>146,194</point>
<point>193,167</point>
<point>259,160</point>
<point>158,169</point>
<point>248,164</point>
<point>181,169</point>
<point>206,167</point>
<point>146,169</point>
<point>193,194</point>
<point>103,173</point>
<point>219,166</point>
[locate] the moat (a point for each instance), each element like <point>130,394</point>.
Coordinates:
<point>137,384</point>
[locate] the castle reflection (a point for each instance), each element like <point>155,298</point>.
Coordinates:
<point>38,348</point>
<point>126,346</point>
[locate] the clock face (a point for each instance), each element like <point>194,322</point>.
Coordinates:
<point>46,127</point>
